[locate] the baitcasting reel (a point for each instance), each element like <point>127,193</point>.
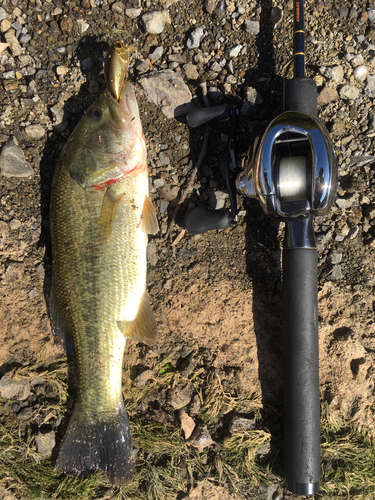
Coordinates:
<point>293,174</point>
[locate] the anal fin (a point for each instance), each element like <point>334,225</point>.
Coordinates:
<point>143,328</point>
<point>149,223</point>
<point>107,213</point>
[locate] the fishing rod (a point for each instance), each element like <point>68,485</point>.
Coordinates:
<point>293,175</point>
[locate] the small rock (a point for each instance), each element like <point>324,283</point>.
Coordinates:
<point>370,89</point>
<point>360,73</point>
<point>3,14</point>
<point>240,424</point>
<point>343,204</point>
<point>15,224</point>
<point>168,91</point>
<point>12,161</point>
<point>35,131</point>
<point>191,71</point>
<point>118,7</point>
<point>252,27</point>
<point>327,95</point>
<point>209,6</point>
<point>156,54</point>
<point>13,43</point>
<point>152,254</point>
<point>45,442</point>
<point>371,15</point>
<point>83,25</point>
<point>9,75</point>
<point>133,13</point>
<point>336,274</point>
<point>14,389</point>
<point>26,414</point>
<point>349,92</point>
<point>143,378</point>
<point>357,60</point>
<point>142,67</point>
<point>253,96</point>
<point>181,396</point>
<point>155,22</point>
<point>66,24</point>
<point>194,39</point>
<point>37,381</point>
<point>60,122</point>
<point>201,438</point>
<point>215,66</point>
<point>220,198</point>
<point>5,25</point>
<point>164,159</point>
<point>334,73</point>
<point>234,51</point>
<point>334,257</point>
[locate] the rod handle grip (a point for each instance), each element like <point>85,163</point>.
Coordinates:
<point>301,370</point>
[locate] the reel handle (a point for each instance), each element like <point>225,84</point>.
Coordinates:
<point>196,116</point>
<point>200,219</point>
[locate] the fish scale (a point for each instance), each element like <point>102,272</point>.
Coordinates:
<point>100,218</point>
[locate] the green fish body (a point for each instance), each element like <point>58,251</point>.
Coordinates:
<point>101,216</point>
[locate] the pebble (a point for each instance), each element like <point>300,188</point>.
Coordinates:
<point>66,24</point>
<point>12,161</point>
<point>143,378</point>
<point>235,51</point>
<point>152,254</point>
<point>83,25</point>
<point>191,71</point>
<point>181,396</point>
<point>45,442</point>
<point>349,92</point>
<point>13,43</point>
<point>334,257</point>
<point>168,91</point>
<point>360,73</point>
<point>35,131</point>
<point>370,88</point>
<point>333,73</point>
<point>156,54</point>
<point>15,224</point>
<point>343,203</point>
<point>327,95</point>
<point>240,424</point>
<point>201,438</point>
<point>252,27</point>
<point>155,22</point>
<point>133,13</point>
<point>195,37</point>
<point>209,5</point>
<point>14,389</point>
<point>3,14</point>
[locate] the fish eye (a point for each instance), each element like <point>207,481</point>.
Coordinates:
<point>94,115</point>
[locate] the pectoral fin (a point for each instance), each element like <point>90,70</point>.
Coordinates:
<point>111,201</point>
<point>149,223</point>
<point>143,328</point>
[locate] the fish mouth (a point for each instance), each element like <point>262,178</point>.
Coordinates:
<point>119,116</point>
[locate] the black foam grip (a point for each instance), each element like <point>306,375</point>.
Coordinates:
<point>200,220</point>
<point>300,94</point>
<point>301,371</point>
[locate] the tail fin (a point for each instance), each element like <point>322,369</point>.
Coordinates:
<point>103,442</point>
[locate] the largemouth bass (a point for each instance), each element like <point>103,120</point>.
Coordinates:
<point>100,218</point>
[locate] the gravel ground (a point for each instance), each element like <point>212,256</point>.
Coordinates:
<point>51,61</point>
